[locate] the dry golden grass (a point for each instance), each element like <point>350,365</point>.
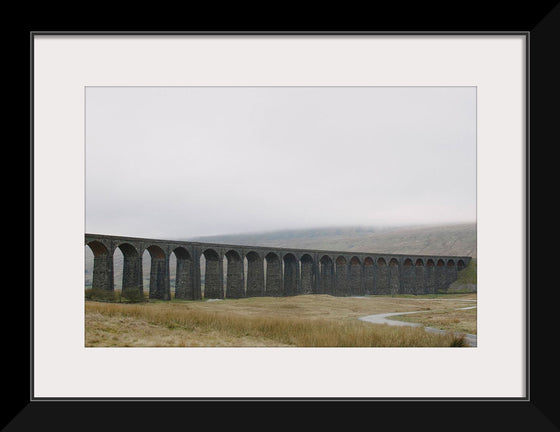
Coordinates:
<point>302,321</point>
<point>454,320</point>
<point>121,330</point>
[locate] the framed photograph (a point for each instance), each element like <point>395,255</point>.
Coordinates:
<point>94,97</point>
<point>255,144</point>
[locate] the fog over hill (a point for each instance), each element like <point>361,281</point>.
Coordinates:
<point>454,239</point>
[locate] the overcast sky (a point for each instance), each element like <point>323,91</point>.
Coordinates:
<point>180,162</point>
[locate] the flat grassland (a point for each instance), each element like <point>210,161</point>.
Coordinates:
<point>458,320</point>
<point>298,321</point>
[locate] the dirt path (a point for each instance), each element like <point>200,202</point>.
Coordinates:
<point>384,319</point>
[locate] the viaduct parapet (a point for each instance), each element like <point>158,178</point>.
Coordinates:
<point>237,271</point>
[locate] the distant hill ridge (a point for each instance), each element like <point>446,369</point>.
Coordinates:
<point>456,239</point>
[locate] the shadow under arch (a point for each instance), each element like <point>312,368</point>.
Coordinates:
<point>213,275</point>
<point>102,272</point>
<point>430,276</point>
<point>132,268</point>
<point>235,279</point>
<point>291,275</point>
<point>159,274</point>
<point>341,277</point>
<point>394,277</point>
<point>273,286</point>
<point>369,276</point>
<point>326,275</point>
<point>439,275</point>
<point>450,273</point>
<point>307,274</point>
<point>382,277</point>
<point>355,277</point>
<point>420,277</point>
<point>184,275</point>
<point>255,275</point>
<point>408,276</point>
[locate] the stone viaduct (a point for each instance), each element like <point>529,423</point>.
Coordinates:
<point>267,271</point>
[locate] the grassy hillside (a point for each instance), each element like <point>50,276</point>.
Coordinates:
<point>458,239</point>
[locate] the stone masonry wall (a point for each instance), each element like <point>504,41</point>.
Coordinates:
<point>268,272</point>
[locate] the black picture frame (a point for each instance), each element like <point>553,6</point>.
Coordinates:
<point>538,411</point>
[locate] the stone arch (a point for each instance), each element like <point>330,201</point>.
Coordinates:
<point>439,275</point>
<point>132,268</point>
<point>368,276</point>
<point>273,275</point>
<point>235,285</point>
<point>326,275</point>
<point>298,271</point>
<point>184,275</point>
<point>102,273</point>
<point>159,273</point>
<point>255,275</point>
<point>408,277</point>
<point>450,273</point>
<point>420,278</point>
<point>430,276</point>
<point>307,274</point>
<point>341,277</point>
<point>156,252</point>
<point>382,277</point>
<point>213,275</point>
<point>98,248</point>
<point>355,276</point>
<point>394,277</point>
<point>291,274</point>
